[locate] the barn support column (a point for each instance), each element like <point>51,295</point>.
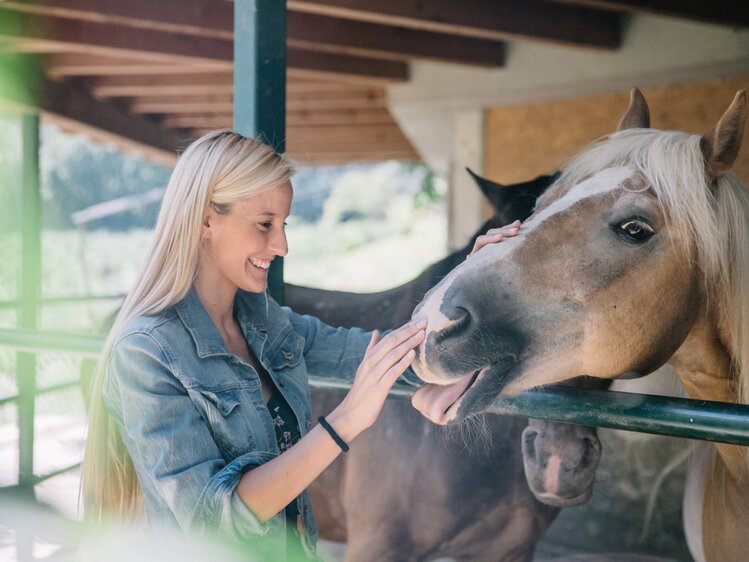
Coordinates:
<point>466,207</point>
<point>260,84</point>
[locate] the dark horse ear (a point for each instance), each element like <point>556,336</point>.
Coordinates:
<point>514,201</point>
<point>637,114</point>
<point>722,143</point>
<point>491,190</point>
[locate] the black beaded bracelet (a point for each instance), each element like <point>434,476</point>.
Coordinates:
<point>337,438</point>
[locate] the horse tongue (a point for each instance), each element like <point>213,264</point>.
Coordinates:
<point>434,400</point>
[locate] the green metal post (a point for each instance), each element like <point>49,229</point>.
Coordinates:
<point>260,85</point>
<point>29,295</point>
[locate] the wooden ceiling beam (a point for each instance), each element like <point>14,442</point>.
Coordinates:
<point>215,83</point>
<point>488,19</point>
<point>175,106</point>
<point>311,65</point>
<point>74,109</point>
<point>213,19</point>
<point>294,119</point>
<point>334,158</point>
<point>733,13</point>
<point>353,100</point>
<point>309,31</point>
<point>64,65</point>
<point>107,39</point>
<point>201,18</point>
<point>532,20</point>
<point>111,39</point>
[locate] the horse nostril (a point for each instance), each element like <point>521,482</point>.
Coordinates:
<point>529,443</point>
<point>590,452</point>
<point>460,318</point>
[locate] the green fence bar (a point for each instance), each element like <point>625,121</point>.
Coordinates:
<point>30,285</point>
<point>677,417</point>
<point>36,341</point>
<point>260,85</point>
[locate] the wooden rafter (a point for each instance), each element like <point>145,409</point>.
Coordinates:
<point>732,12</point>
<point>107,39</point>
<point>489,19</point>
<point>294,119</point>
<point>111,39</point>
<point>309,31</point>
<point>315,32</point>
<point>75,109</point>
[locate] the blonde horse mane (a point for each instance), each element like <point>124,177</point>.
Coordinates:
<point>715,217</point>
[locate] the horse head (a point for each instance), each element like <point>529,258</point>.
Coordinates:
<point>608,277</point>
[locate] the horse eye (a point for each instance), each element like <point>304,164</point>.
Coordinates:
<point>636,230</point>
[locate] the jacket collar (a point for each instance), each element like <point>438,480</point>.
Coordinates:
<point>250,310</point>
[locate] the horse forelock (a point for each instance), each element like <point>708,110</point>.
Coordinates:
<point>711,219</point>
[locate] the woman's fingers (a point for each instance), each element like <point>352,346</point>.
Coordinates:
<point>393,340</point>
<point>373,340</point>
<point>496,235</point>
<point>392,374</point>
<point>399,352</point>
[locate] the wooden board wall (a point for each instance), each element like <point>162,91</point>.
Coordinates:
<point>524,141</point>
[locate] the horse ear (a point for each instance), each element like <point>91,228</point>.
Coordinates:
<point>721,144</point>
<point>637,114</point>
<point>491,190</point>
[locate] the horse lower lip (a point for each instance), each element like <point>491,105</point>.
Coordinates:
<point>466,389</point>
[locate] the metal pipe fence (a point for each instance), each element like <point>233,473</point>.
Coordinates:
<point>677,417</point>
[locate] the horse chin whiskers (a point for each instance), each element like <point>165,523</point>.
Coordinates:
<point>473,434</point>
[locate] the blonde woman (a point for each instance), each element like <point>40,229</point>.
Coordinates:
<point>203,382</point>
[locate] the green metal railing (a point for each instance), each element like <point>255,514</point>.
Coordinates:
<point>677,417</point>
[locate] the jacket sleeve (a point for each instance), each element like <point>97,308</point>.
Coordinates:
<point>171,445</point>
<point>336,352</point>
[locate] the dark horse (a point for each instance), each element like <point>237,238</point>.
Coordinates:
<point>472,503</point>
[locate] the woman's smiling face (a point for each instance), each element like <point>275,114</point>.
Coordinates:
<point>239,246</point>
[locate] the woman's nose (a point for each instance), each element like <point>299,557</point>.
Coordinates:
<point>278,244</point>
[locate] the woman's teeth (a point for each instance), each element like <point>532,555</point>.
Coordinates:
<point>262,264</point>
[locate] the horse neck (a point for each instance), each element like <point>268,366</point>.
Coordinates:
<point>704,365</point>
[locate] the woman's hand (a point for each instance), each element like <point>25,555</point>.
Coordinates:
<point>384,361</point>
<point>495,235</point>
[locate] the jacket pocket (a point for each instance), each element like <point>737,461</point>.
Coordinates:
<point>289,353</point>
<point>227,413</point>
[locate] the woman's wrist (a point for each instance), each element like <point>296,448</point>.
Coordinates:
<point>341,422</point>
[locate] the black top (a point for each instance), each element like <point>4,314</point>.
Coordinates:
<point>287,434</point>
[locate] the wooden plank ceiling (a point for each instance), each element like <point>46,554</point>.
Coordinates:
<point>154,74</point>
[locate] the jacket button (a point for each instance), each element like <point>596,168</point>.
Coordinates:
<point>309,424</point>
<point>287,355</point>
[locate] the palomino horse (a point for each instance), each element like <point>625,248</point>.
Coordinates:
<point>638,255</point>
<point>475,503</point>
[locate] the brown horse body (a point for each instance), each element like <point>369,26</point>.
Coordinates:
<point>637,256</point>
<point>473,502</point>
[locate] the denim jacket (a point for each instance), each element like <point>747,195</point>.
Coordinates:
<point>192,414</point>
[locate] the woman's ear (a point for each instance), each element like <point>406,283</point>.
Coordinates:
<point>208,219</point>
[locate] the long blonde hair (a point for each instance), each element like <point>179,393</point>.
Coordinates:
<point>216,170</point>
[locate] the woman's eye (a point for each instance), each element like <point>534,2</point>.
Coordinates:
<point>264,226</point>
<point>636,230</point>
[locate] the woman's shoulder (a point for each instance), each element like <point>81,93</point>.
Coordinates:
<point>147,328</point>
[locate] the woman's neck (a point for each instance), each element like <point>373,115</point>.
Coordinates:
<point>218,300</point>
